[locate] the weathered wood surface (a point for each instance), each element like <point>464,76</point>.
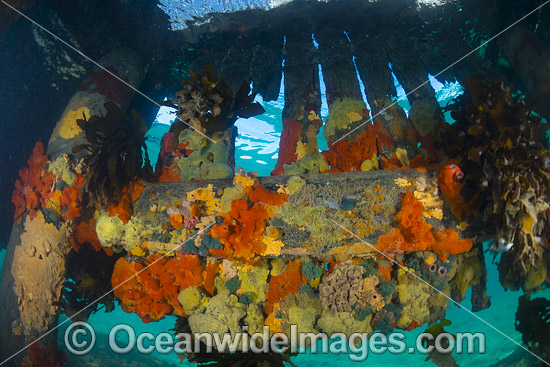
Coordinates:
<point>325,190</point>
<point>302,94</point>
<point>266,66</point>
<point>337,63</point>
<point>373,68</point>
<point>302,90</point>
<point>233,70</point>
<point>410,71</point>
<point>434,36</point>
<point>531,60</point>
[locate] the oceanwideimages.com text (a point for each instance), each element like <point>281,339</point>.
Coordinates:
<point>80,339</point>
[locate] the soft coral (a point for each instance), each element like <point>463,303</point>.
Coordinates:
<point>165,170</point>
<point>71,200</point>
<point>123,209</point>
<point>258,193</point>
<point>42,357</point>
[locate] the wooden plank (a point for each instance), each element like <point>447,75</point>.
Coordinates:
<point>342,85</point>
<point>376,74</point>
<point>409,70</point>
<point>376,194</point>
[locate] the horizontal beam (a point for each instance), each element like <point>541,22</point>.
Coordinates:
<point>311,221</point>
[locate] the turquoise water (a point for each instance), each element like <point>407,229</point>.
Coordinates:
<point>104,322</point>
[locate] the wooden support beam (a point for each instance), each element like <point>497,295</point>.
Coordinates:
<point>337,64</point>
<point>328,221</point>
<point>409,71</point>
<point>373,67</point>
<point>35,266</point>
<point>447,45</point>
<point>267,65</point>
<point>374,70</point>
<point>342,86</point>
<point>326,201</point>
<point>302,92</point>
<point>531,61</point>
<point>302,108</point>
<point>241,56</point>
<point>99,87</point>
<point>480,299</point>
<point>543,26</point>
<point>235,65</point>
<point>208,51</point>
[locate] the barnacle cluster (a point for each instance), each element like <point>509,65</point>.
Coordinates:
<point>501,146</point>
<point>117,154</point>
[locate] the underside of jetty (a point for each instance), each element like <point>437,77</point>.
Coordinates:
<point>382,231</point>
